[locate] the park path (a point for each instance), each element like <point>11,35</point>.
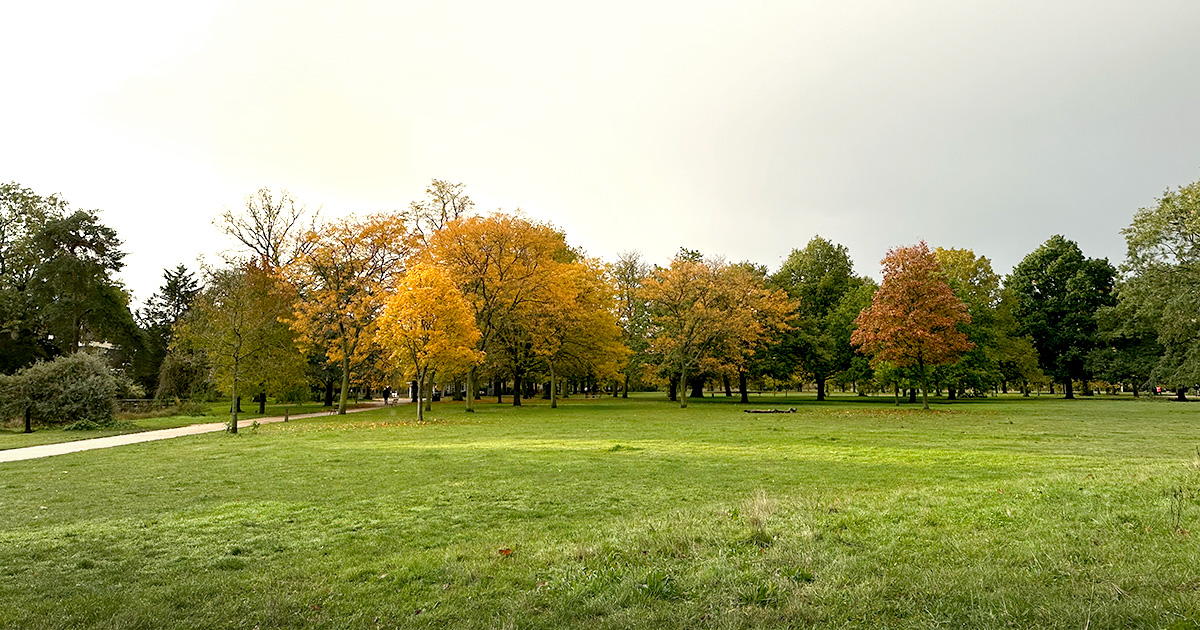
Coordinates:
<point>62,448</point>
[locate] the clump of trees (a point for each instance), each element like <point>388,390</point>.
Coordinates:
<point>447,297</point>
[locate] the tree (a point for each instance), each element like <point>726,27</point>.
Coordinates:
<point>819,278</point>
<point>578,331</point>
<point>157,321</point>
<point>706,311</point>
<point>1162,271</point>
<point>427,327</point>
<point>628,273</point>
<point>1057,294</point>
<point>270,227</point>
<point>341,280</point>
<point>238,323</point>
<point>57,287</point>
<point>507,267</point>
<point>444,202</point>
<point>769,310</point>
<point>914,317</point>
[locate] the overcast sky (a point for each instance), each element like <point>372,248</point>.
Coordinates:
<point>736,128</point>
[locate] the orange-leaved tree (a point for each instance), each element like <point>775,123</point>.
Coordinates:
<point>508,268</point>
<point>342,280</point>
<point>705,311</point>
<point>914,316</point>
<point>427,326</point>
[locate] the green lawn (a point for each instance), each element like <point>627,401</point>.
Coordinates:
<point>1004,512</point>
<point>14,437</point>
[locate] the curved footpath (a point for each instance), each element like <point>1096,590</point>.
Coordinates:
<point>62,448</point>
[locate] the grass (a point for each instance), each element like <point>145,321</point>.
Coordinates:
<point>13,436</point>
<point>611,513</point>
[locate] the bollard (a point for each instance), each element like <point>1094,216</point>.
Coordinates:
<point>285,414</point>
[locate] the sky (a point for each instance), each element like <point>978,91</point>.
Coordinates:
<point>739,129</point>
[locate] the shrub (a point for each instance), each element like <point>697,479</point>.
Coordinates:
<point>12,398</point>
<point>127,388</point>
<point>70,389</point>
<point>184,375</point>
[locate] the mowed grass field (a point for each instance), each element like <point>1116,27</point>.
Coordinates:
<point>625,513</point>
<point>13,436</point>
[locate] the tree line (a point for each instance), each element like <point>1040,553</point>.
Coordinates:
<point>470,302</point>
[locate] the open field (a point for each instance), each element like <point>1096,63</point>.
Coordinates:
<point>612,513</point>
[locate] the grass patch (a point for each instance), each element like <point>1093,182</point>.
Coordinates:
<point>1029,513</point>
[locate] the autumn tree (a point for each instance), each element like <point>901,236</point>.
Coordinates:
<point>427,327</point>
<point>271,227</point>
<point>1057,295</point>
<point>914,317</point>
<point>704,311</point>
<point>237,322</point>
<point>341,280</point>
<point>578,330</point>
<point>745,287</point>
<point>507,267</point>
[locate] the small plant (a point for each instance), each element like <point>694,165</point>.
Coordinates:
<point>761,594</point>
<point>757,511</point>
<point>658,584</point>
<point>798,574</point>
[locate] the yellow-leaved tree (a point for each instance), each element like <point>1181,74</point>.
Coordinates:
<point>427,327</point>
<point>578,332</point>
<point>342,280</point>
<point>508,268</point>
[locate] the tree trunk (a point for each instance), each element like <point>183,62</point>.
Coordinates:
<point>673,388</point>
<point>429,378</point>
<point>553,390</point>
<point>625,389</point>
<point>420,395</point>
<point>697,388</point>
<point>329,392</point>
<point>820,388</point>
<point>28,419</point>
<point>471,390</point>
<point>516,390</point>
<point>499,391</point>
<point>725,382</point>
<point>1135,390</point>
<point>262,404</point>
<point>1181,394</point>
<point>234,406</point>
<point>745,395</point>
<point>1069,388</point>
<point>683,388</point>
<point>912,395</point>
<point>345,385</point>
<point>924,388</point>
<point>951,392</point>
<point>1004,387</point>
<point>897,388</point>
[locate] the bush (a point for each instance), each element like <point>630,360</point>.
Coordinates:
<point>127,388</point>
<point>184,375</point>
<point>68,390</point>
<point>12,398</point>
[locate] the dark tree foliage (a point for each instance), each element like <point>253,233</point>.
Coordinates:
<point>1162,273</point>
<point>1058,292</point>
<point>157,321</point>
<point>820,278</point>
<point>57,287</point>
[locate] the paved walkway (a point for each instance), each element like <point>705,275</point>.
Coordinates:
<point>62,448</point>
